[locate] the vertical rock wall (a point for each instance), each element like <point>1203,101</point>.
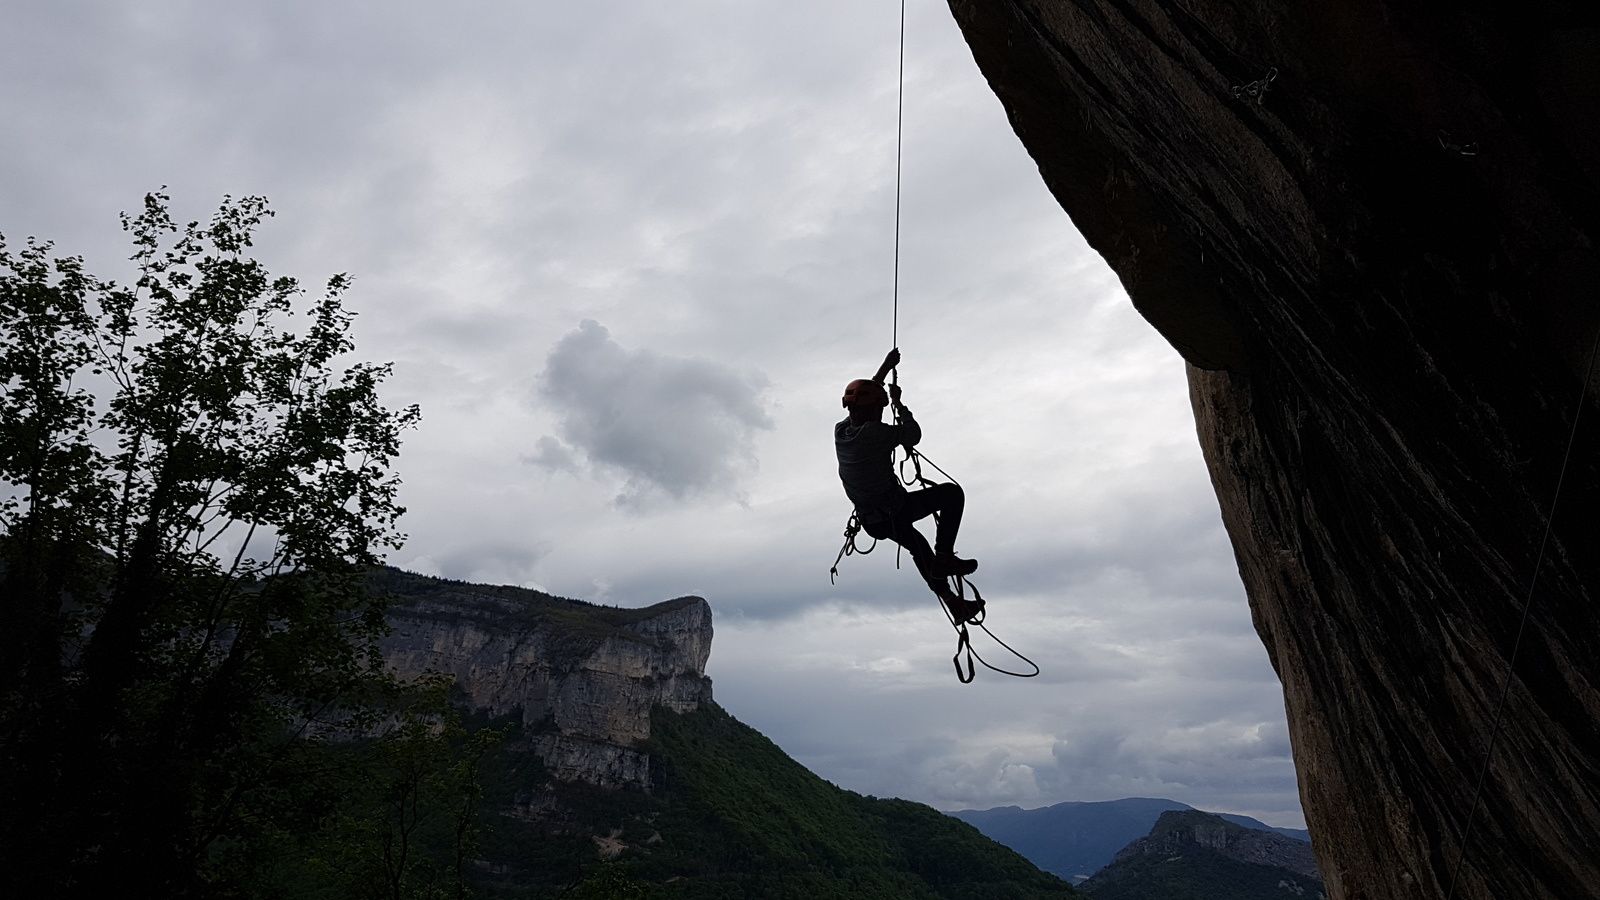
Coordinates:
<point>584,687</point>
<point>1382,271</point>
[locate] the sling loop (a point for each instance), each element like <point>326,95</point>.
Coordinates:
<point>963,643</point>
<point>964,640</point>
<point>852,527</point>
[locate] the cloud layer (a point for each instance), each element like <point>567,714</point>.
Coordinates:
<point>669,425</point>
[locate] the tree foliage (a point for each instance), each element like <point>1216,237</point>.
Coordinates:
<point>730,815</point>
<point>195,479</point>
<point>403,823</point>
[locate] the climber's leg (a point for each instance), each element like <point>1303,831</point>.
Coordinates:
<point>902,532</point>
<point>948,500</point>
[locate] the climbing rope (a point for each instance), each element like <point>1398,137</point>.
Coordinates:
<point>852,528</point>
<point>1522,625</point>
<point>963,638</point>
<point>899,141</point>
<point>914,458</point>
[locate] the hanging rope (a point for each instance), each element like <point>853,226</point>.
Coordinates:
<point>899,141</point>
<point>852,526</point>
<point>963,638</point>
<point>1522,626</point>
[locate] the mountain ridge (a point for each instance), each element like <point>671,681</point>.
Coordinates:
<point>1077,838</point>
<point>1193,855</point>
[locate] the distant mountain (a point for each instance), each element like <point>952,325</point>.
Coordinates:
<point>1191,855</point>
<point>1299,834</point>
<point>1076,839</point>
<point>620,777</point>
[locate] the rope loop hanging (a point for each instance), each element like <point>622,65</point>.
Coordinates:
<point>852,527</point>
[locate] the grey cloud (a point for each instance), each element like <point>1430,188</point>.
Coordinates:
<point>669,425</point>
<point>551,454</point>
<point>477,560</point>
<point>1196,763</point>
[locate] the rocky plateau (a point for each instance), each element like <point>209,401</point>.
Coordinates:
<point>582,679</point>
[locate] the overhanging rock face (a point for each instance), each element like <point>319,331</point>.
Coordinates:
<point>1370,229</point>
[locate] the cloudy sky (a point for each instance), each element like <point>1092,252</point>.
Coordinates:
<point>625,255</point>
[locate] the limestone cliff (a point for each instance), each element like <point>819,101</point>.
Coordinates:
<point>1180,828</point>
<point>1193,854</point>
<point>1370,228</point>
<point>583,678</point>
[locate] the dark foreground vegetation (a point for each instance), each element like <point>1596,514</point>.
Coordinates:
<point>194,481</point>
<point>736,798</point>
<point>731,816</point>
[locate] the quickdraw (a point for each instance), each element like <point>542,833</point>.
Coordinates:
<point>1256,90</point>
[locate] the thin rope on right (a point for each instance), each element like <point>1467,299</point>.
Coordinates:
<point>1522,626</point>
<point>912,455</point>
<point>963,638</point>
<point>899,140</point>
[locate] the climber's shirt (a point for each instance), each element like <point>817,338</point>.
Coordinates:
<point>866,463</point>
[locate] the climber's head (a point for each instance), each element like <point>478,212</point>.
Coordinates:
<point>865,398</point>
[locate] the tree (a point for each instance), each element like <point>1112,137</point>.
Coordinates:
<point>196,481</point>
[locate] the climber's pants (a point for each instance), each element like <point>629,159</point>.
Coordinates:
<point>945,499</point>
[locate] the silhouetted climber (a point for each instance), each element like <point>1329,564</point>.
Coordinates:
<point>865,445</point>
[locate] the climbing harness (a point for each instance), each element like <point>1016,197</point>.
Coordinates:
<point>1522,625</point>
<point>852,528</point>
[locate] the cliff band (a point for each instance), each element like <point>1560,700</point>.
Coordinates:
<point>1369,228</point>
<point>583,678</point>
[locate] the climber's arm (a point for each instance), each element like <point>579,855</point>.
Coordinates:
<point>889,362</point>
<point>910,431</point>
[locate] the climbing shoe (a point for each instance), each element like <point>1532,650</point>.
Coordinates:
<point>961,610</point>
<point>947,564</point>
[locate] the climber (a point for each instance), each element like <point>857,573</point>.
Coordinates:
<point>886,510</point>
